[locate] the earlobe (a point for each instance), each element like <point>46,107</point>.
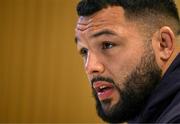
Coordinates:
<point>167,40</point>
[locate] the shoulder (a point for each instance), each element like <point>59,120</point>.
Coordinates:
<point>172,112</point>
<point>175,119</point>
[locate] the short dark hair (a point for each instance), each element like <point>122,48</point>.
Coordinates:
<point>157,12</point>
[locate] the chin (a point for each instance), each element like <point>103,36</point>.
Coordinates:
<point>107,105</point>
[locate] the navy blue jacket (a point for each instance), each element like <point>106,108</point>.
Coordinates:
<point>163,105</point>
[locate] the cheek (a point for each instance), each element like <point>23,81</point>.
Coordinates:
<point>157,55</point>
<point>122,66</point>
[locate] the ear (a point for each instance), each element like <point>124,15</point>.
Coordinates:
<point>166,43</point>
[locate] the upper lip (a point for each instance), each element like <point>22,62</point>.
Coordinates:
<point>99,85</point>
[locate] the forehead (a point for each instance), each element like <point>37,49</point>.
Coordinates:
<point>109,17</point>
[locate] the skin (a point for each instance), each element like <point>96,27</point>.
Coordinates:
<point>112,46</point>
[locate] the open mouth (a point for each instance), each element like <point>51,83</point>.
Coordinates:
<point>104,90</point>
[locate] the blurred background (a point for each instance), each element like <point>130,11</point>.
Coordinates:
<point>41,74</point>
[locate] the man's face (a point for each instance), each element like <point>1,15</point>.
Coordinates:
<point>119,62</point>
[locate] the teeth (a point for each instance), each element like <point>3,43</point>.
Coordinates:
<point>102,87</point>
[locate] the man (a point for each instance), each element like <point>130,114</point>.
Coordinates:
<point>131,57</point>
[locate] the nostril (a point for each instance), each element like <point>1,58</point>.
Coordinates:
<point>95,71</point>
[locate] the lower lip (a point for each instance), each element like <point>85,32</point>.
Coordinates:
<point>105,95</point>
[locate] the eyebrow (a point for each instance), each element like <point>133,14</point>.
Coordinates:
<point>103,32</point>
<point>76,40</point>
<point>100,33</point>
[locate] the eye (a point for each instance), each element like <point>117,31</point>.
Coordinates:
<point>107,45</point>
<point>83,52</point>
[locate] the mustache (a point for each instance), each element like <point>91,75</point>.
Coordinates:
<point>101,78</point>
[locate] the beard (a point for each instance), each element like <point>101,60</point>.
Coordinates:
<point>138,85</point>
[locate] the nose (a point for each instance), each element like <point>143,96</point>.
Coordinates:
<point>94,64</point>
